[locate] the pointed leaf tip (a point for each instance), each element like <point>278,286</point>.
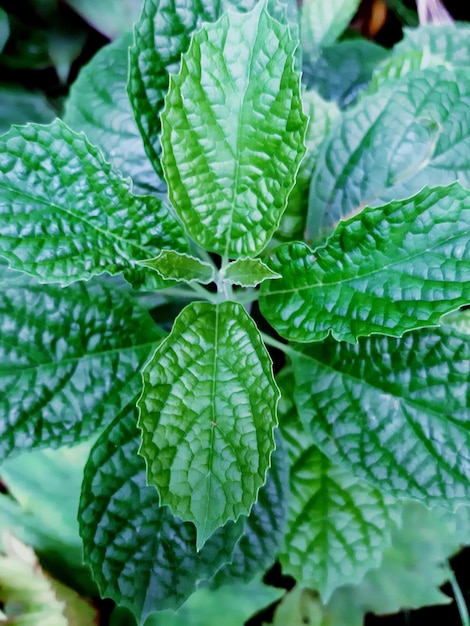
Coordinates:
<point>207,414</point>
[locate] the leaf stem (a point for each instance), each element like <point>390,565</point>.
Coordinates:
<point>188,294</point>
<point>274,343</point>
<point>460,600</point>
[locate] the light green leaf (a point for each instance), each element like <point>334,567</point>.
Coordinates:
<point>229,179</point>
<point>322,115</point>
<point>231,605</point>
<point>4,28</point>
<point>70,360</point>
<point>298,607</point>
<point>46,519</point>
<point>391,144</point>
<point>393,411</point>
<point>20,106</point>
<point>413,568</point>
<point>161,36</point>
<point>181,267</point>
<point>207,414</point>
<point>343,70</point>
<point>109,17</point>
<point>248,272</point>
<point>99,106</point>
<point>30,596</point>
<point>322,22</point>
<point>386,270</point>
<point>338,525</point>
<point>430,45</point>
<point>65,215</point>
<point>142,556</point>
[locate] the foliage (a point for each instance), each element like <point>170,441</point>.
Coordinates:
<point>193,175</point>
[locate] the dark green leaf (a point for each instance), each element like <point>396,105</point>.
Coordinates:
<point>20,106</point>
<point>70,360</point>
<point>4,28</point>
<point>343,70</point>
<point>391,144</point>
<point>140,555</point>
<point>229,178</point>
<point>323,22</point>
<point>99,106</point>
<point>322,116</point>
<point>181,267</point>
<point>394,411</point>
<point>248,272</point>
<point>65,215</point>
<point>386,270</point>
<point>207,413</point>
<point>338,525</point>
<point>109,17</point>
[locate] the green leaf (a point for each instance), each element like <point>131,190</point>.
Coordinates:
<point>322,116</point>
<point>142,556</point>
<point>99,106</point>
<point>181,267</point>
<point>431,45</point>
<point>232,605</point>
<point>343,70</point>
<point>412,570</point>
<point>323,22</point>
<point>20,106</point>
<point>338,525</point>
<point>207,414</point>
<point>70,360</point>
<point>393,411</point>
<point>109,17</point>
<point>391,144</point>
<point>65,215</point>
<point>386,270</point>
<point>248,272</point>
<point>161,36</point>
<point>4,28</point>
<point>249,153</point>
<point>30,596</point>
<point>46,519</point>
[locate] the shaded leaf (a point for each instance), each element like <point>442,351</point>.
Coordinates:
<point>181,267</point>
<point>65,215</point>
<point>343,70</point>
<point>142,556</point>
<point>323,22</point>
<point>20,106</point>
<point>413,568</point>
<point>237,122</point>
<point>207,413</point>
<point>322,116</point>
<point>232,604</point>
<point>386,270</point>
<point>99,106</point>
<point>338,525</point>
<point>4,28</point>
<point>46,519</point>
<point>394,411</point>
<point>70,360</point>
<point>248,272</point>
<point>391,144</point>
<point>30,596</point>
<point>109,17</point>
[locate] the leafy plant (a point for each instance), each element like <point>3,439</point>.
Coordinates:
<point>210,462</point>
